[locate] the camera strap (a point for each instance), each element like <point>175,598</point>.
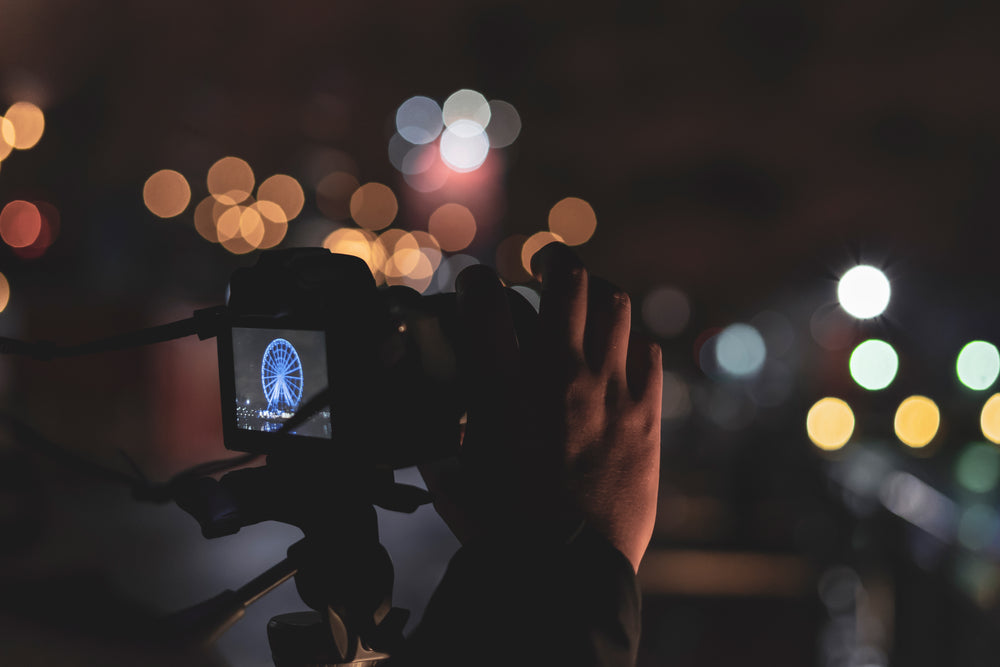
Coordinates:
<point>205,324</point>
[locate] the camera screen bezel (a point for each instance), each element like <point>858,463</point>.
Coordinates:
<point>247,440</point>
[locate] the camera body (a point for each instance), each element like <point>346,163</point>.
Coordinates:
<point>316,360</point>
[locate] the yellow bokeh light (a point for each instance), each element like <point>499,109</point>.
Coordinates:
<point>227,224</point>
<point>573,219</point>
<point>166,193</point>
<point>4,292</point>
<point>275,224</point>
<point>285,192</point>
<point>533,244</point>
<point>230,180</point>
<point>430,247</point>
<point>917,421</point>
<point>333,194</point>
<point>6,129</point>
<point>206,216</point>
<point>20,223</point>
<point>830,423</point>
<point>989,420</point>
<point>251,226</point>
<point>453,225</point>
<point>508,258</point>
<point>25,126</point>
<point>419,278</point>
<point>374,206</point>
<point>401,250</point>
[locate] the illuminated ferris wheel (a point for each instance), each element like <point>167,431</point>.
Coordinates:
<point>281,376</point>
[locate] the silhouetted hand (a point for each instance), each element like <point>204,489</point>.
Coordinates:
<point>564,425</point>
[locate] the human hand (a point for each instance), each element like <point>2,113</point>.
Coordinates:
<point>563,425</point>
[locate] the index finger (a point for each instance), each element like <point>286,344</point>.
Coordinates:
<point>562,316</point>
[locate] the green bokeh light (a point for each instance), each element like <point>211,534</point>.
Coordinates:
<point>978,467</point>
<point>978,365</point>
<point>874,364</point>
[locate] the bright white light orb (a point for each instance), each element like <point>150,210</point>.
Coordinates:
<point>874,364</point>
<point>864,292</point>
<point>418,120</point>
<point>466,105</point>
<point>740,350</point>
<point>978,365</point>
<point>464,145</point>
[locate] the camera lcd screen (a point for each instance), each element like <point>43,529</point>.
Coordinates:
<point>276,371</point>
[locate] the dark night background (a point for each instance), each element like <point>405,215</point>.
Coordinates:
<point>745,153</point>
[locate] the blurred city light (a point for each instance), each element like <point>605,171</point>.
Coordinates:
<point>24,127</point>
<point>864,292</point>
<point>284,191</point>
<point>333,194</point>
<point>978,526</point>
<point>429,246</point>
<point>977,468</point>
<point>531,295</point>
<point>4,292</point>
<point>573,219</point>
<point>466,105</point>
<point>505,124</point>
<point>917,421</point>
<point>47,233</point>
<point>740,350</point>
<point>830,423</point>
<point>356,242</point>
<point>873,364</point>
<point>230,180</point>
<point>978,365</point>
<point>374,206</point>
<point>449,270</point>
<point>464,145</point>
<point>419,120</point>
<point>989,419</point>
<point>675,401</point>
<point>166,193</point>
<point>910,498</point>
<point>533,244</point>
<point>453,225</point>
<point>666,311</point>
<point>6,130</point>
<point>206,215</point>
<point>20,223</point>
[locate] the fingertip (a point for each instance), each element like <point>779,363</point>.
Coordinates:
<point>555,256</point>
<point>477,277</point>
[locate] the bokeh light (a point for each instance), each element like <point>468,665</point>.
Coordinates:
<point>429,246</point>
<point>374,206</point>
<point>466,105</point>
<point>830,423</point>
<point>166,193</point>
<point>206,215</point>
<point>4,292</point>
<point>917,421</point>
<point>989,419</point>
<point>284,191</point>
<point>401,250</point>
<point>419,120</point>
<point>453,225</point>
<point>275,223</point>
<point>573,219</point>
<point>533,244</point>
<point>978,365</point>
<point>740,350</point>
<point>25,125</point>
<point>977,526</point>
<point>873,364</point>
<point>530,295</point>
<point>864,292</point>
<point>977,468</point>
<point>6,130</point>
<point>20,223</point>
<point>464,146</point>
<point>666,311</point>
<point>444,281</point>
<point>47,233</point>
<point>675,400</point>
<point>230,180</point>
<point>505,124</point>
<point>333,194</point>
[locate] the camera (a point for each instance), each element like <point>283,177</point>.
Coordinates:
<point>315,359</point>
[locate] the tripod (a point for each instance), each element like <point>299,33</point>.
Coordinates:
<point>341,571</point>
